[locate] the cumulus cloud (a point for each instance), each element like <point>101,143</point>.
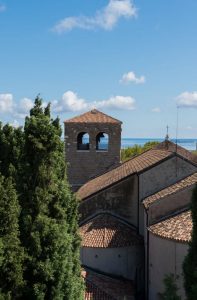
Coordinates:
<point>130,77</point>
<point>187,99</point>
<point>156,109</point>
<point>106,18</point>
<point>20,109</point>
<point>6,103</point>
<point>2,7</point>
<point>70,102</point>
<point>24,107</point>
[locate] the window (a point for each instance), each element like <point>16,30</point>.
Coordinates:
<point>83,142</point>
<point>102,141</point>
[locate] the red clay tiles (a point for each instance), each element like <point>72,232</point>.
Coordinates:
<point>93,116</point>
<point>176,228</point>
<point>107,231</point>
<point>180,185</point>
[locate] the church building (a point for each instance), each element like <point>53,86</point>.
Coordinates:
<point>135,219</point>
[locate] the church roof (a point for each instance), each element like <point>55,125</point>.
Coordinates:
<point>134,165</point>
<point>107,231</point>
<point>93,116</point>
<point>178,227</point>
<point>172,189</point>
<point>127,168</point>
<point>103,287</point>
<point>170,146</point>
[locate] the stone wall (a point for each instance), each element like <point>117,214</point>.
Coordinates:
<point>159,177</point>
<point>125,262</point>
<point>165,257</point>
<point>86,164</point>
<point>120,199</point>
<point>169,204</point>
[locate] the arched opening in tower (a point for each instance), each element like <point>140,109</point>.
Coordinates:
<point>102,141</point>
<point>83,141</point>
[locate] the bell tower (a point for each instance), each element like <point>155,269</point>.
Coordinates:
<point>92,146</point>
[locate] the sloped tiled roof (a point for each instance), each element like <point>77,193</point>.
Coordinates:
<point>180,185</point>
<point>176,228</point>
<point>170,146</point>
<point>107,231</point>
<point>134,165</point>
<point>93,116</point>
<point>102,287</point>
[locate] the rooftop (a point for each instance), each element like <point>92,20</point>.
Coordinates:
<point>102,287</point>
<point>93,116</point>
<point>107,231</point>
<point>180,185</point>
<point>176,228</point>
<point>134,165</point>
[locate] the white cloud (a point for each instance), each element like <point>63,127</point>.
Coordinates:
<point>131,77</point>
<point>2,7</point>
<point>24,107</point>
<point>6,103</point>
<point>70,102</point>
<point>187,99</point>
<point>116,102</point>
<point>156,110</point>
<point>106,18</point>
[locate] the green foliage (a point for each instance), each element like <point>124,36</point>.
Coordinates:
<point>170,288</point>
<point>49,213</point>
<point>136,150</point>
<point>39,243</point>
<point>190,262</point>
<point>11,252</point>
<point>11,145</point>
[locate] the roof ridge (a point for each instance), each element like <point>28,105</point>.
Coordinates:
<point>169,187</point>
<point>89,114</point>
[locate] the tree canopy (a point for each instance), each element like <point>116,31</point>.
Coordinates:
<point>44,211</point>
<point>130,152</point>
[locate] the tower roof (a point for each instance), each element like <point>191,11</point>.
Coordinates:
<point>93,116</point>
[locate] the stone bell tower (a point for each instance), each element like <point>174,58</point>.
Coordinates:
<point>92,146</point>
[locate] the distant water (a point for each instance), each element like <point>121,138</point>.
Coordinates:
<point>189,144</point>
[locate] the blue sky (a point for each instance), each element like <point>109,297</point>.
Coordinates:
<point>135,60</point>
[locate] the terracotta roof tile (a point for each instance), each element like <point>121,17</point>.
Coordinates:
<point>102,287</point>
<point>170,146</point>
<point>180,185</point>
<point>106,231</point>
<point>134,165</point>
<point>176,228</point>
<point>93,116</point>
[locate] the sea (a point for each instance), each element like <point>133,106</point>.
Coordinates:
<point>189,144</point>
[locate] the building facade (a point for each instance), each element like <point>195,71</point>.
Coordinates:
<point>122,205</point>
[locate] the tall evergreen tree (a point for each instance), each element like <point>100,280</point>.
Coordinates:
<point>11,147</point>
<point>190,262</point>
<point>11,252</point>
<point>49,213</point>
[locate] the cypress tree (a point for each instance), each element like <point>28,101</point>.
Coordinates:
<point>49,213</point>
<point>190,262</point>
<point>11,252</point>
<point>11,147</point>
